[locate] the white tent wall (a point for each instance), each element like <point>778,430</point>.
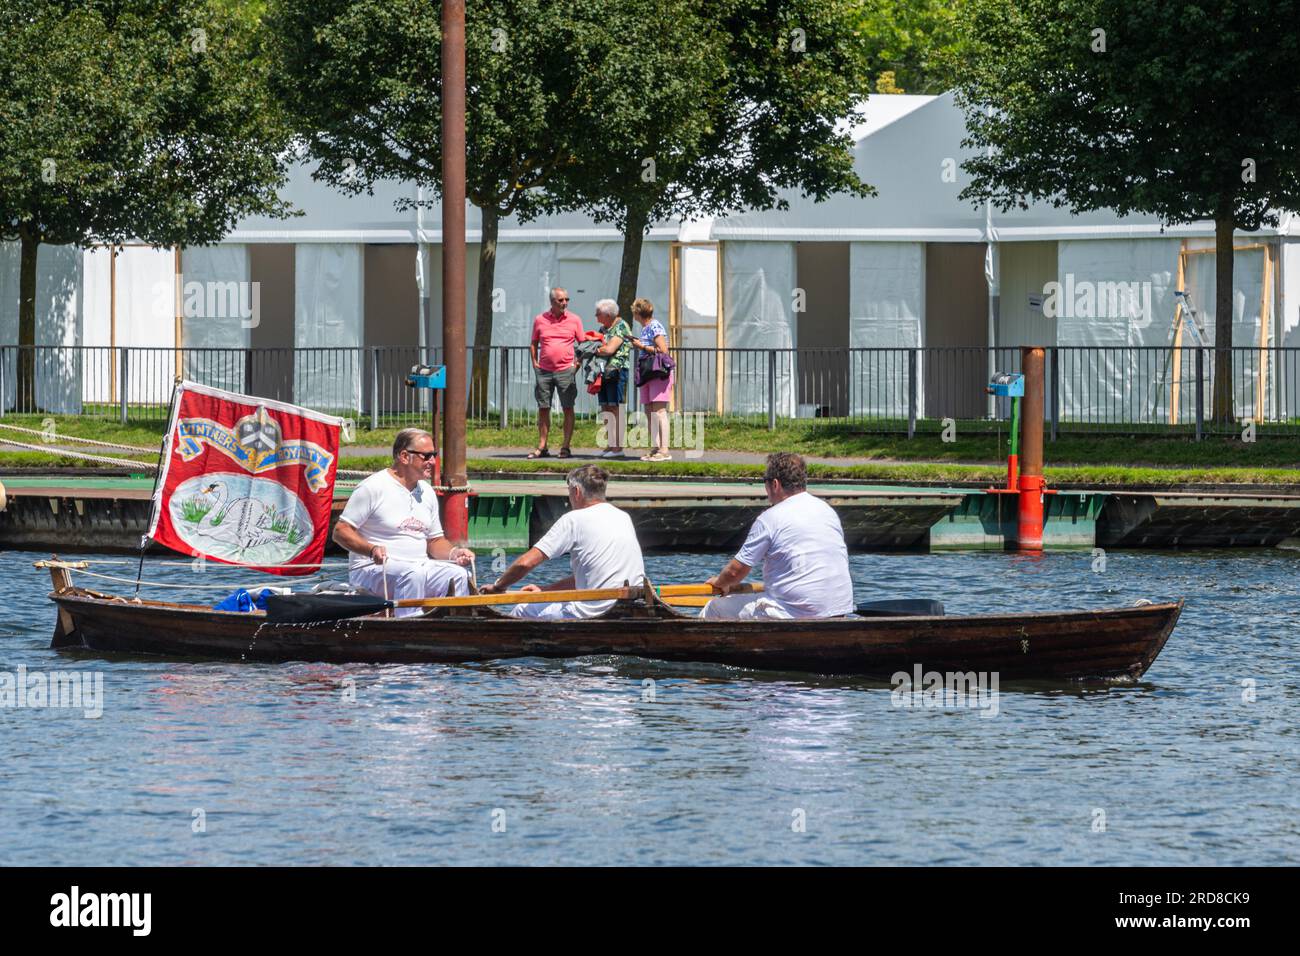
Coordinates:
<point>886,317</point>
<point>1025,270</point>
<point>1247,282</point>
<point>758,288</point>
<point>697,328</point>
<point>58,310</point>
<point>1115,294</point>
<point>99,364</point>
<point>328,310</point>
<point>1287,331</point>
<point>145,320</point>
<point>219,307</point>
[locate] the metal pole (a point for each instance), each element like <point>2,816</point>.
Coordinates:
<point>123,383</point>
<point>771,390</point>
<point>503,387</point>
<point>455,510</point>
<point>911,393</point>
<point>4,365</point>
<point>1056,389</point>
<point>1200,390</point>
<point>374,388</point>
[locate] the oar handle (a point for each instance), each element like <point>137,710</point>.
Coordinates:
<point>591,594</point>
<point>702,590</point>
<point>523,597</point>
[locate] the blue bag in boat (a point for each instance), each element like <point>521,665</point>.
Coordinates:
<point>243,601</point>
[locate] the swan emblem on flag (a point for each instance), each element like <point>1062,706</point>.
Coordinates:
<point>240,518</point>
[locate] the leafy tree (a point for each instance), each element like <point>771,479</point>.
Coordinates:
<point>128,119</point>
<point>706,106</point>
<point>362,79</point>
<point>911,46</point>
<point>1182,111</point>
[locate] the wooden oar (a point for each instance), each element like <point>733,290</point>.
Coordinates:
<point>315,608</point>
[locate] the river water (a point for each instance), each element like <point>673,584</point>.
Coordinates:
<point>538,762</point>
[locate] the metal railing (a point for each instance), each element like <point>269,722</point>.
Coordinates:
<point>902,390</point>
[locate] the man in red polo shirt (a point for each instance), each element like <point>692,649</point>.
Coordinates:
<point>555,332</point>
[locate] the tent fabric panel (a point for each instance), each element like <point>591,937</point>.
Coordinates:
<point>758,285</point>
<point>328,310</point>
<point>1114,295</point>
<point>219,308</point>
<point>886,317</point>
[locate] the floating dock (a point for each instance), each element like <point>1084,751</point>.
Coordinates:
<point>106,514</point>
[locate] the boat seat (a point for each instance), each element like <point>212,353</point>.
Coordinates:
<point>905,607</point>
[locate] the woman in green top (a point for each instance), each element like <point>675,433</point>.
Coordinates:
<point>613,382</point>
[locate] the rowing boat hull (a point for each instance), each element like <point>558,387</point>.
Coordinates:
<point>1120,643</point>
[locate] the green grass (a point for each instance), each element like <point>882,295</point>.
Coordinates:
<point>193,509</point>
<point>978,454</point>
<point>1103,475</point>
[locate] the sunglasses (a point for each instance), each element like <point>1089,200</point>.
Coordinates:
<point>424,455</point>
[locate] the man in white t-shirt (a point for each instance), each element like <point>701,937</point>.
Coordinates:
<point>601,544</point>
<point>800,542</point>
<point>392,532</point>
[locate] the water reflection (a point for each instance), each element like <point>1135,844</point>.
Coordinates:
<point>318,763</point>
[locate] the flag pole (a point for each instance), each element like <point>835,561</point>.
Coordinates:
<point>157,477</point>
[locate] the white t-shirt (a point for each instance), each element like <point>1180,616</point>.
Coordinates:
<point>384,512</point>
<point>603,551</point>
<point>800,545</point>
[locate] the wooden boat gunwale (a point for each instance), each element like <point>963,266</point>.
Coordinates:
<point>1128,638</point>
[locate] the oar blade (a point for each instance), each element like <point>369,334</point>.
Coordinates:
<point>314,608</point>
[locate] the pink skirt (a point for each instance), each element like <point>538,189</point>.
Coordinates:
<point>657,390</point>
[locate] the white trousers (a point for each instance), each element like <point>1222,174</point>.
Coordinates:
<point>745,607</point>
<point>561,610</point>
<point>411,579</point>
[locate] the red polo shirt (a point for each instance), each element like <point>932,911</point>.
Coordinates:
<point>555,336</point>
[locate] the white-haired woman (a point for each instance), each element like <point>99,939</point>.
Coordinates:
<point>613,382</point>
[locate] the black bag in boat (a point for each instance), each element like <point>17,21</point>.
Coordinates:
<point>907,607</point>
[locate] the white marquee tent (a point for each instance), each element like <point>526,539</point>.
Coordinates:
<point>911,266</point>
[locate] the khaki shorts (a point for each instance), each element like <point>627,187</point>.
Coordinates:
<point>547,383</point>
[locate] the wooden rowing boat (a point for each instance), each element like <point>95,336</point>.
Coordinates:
<point>1115,643</point>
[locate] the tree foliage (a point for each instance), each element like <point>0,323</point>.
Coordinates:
<point>362,79</point>
<point>911,46</point>
<point>129,119</point>
<point>714,105</point>
<point>1186,112</point>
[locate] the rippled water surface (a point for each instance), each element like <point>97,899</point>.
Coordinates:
<point>533,762</point>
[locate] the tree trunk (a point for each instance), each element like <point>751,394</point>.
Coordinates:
<point>630,269</point>
<point>487,266</point>
<point>25,388</point>
<point>1222,406</point>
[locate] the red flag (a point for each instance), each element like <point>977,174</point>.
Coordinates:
<point>246,480</point>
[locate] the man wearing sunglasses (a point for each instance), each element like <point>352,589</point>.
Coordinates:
<point>555,369</point>
<point>392,533</point>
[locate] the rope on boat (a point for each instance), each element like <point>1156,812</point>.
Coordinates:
<point>124,462</point>
<point>190,561</point>
<point>76,568</point>
<point>54,436</point>
<point>152,584</point>
<point>87,456</point>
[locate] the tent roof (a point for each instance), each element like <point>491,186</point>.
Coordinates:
<point>911,152</point>
<point>907,147</point>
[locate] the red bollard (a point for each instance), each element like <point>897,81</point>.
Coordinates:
<point>1031,484</point>
<point>455,516</point>
<point>1030,537</point>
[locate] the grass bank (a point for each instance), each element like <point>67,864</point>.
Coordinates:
<point>857,455</point>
